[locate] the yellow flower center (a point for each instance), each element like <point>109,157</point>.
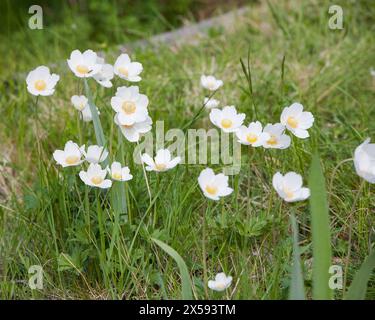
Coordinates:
<point>117,176</point>
<point>129,107</point>
<point>289,194</point>
<point>212,190</point>
<point>292,122</point>
<point>160,166</point>
<point>96,180</point>
<point>211,85</point>
<point>127,126</point>
<point>226,123</point>
<point>251,138</point>
<point>272,141</point>
<point>71,159</point>
<point>40,85</point>
<point>220,285</point>
<point>82,69</point>
<point>123,71</point>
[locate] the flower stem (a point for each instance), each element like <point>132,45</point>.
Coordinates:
<point>204,253</point>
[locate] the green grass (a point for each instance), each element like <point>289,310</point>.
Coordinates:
<point>49,218</point>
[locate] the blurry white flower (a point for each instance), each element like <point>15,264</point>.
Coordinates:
<point>95,154</point>
<point>214,186</point>
<point>86,113</point>
<point>296,120</point>
<point>289,187</point>
<point>126,69</point>
<point>252,135</point>
<point>372,72</point>
<point>220,283</point>
<point>41,82</point>
<point>105,75</point>
<point>210,82</point>
<point>130,105</point>
<point>119,173</point>
<point>95,176</point>
<point>162,162</point>
<point>70,156</point>
<point>133,132</point>
<point>278,139</point>
<point>227,119</point>
<point>364,160</point>
<point>210,103</point>
<point>79,102</point>
<point>85,64</point>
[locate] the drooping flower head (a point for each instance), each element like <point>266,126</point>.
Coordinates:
<point>364,160</point>
<point>119,173</point>
<point>214,186</point>
<point>105,75</point>
<point>95,176</point>
<point>41,82</point>
<point>278,139</point>
<point>296,120</point>
<point>252,135</point>
<point>227,119</point>
<point>70,156</point>
<point>210,103</point>
<point>162,162</point>
<point>289,187</point>
<point>126,69</point>
<point>79,102</point>
<point>210,82</point>
<point>84,65</point>
<point>96,154</point>
<point>133,132</point>
<point>220,283</point>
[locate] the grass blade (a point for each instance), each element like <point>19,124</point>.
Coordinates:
<point>186,293</point>
<point>320,231</point>
<point>297,290</point>
<point>358,288</point>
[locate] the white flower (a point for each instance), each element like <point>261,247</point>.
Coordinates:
<point>214,186</point>
<point>278,139</point>
<point>130,105</point>
<point>372,72</point>
<point>296,120</point>
<point>95,154</point>
<point>134,131</point>
<point>252,135</point>
<point>119,173</point>
<point>162,162</point>
<point>70,156</point>
<point>79,102</point>
<point>289,187</point>
<point>364,160</point>
<point>41,82</point>
<point>210,82</point>
<point>227,119</point>
<point>126,69</point>
<point>85,64</point>
<point>220,283</point>
<point>105,75</point>
<point>95,176</point>
<point>210,103</point>
<point>86,113</point>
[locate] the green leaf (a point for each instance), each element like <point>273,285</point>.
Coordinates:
<point>358,288</point>
<point>320,232</point>
<point>186,293</point>
<point>297,290</point>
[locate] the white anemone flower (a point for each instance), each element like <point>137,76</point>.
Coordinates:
<point>95,177</point>
<point>79,102</point>
<point>130,105</point>
<point>372,72</point>
<point>227,119</point>
<point>210,103</point>
<point>296,120</point>
<point>84,65</point>
<point>133,132</point>
<point>162,162</point>
<point>252,135</point>
<point>70,156</point>
<point>41,82</point>
<point>210,82</point>
<point>214,186</point>
<point>126,69</point>
<point>86,113</point>
<point>364,160</point>
<point>289,187</point>
<point>105,75</point>
<point>96,154</point>
<point>278,139</point>
<point>220,283</point>
<point>119,173</point>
